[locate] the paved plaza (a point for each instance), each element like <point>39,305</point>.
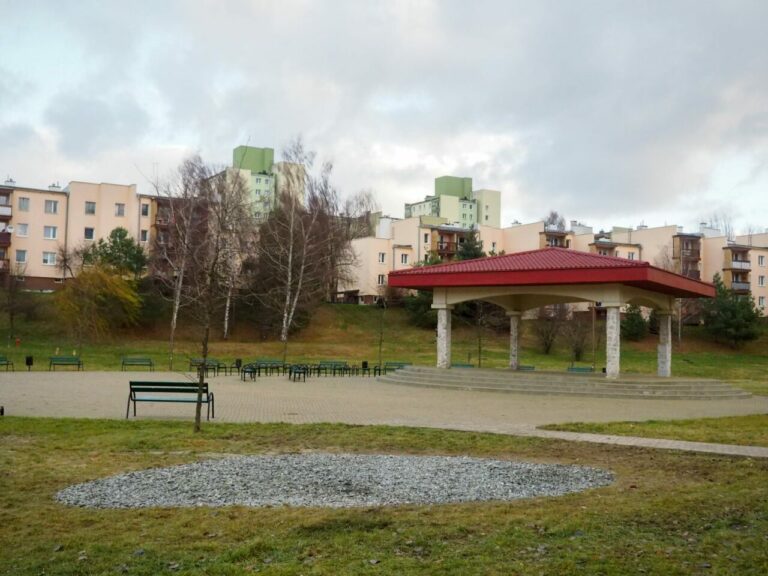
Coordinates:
<point>361,400</point>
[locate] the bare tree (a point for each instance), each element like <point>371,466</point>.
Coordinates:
<point>576,332</point>
<point>180,225</point>
<point>300,244</point>
<point>554,221</point>
<point>549,324</point>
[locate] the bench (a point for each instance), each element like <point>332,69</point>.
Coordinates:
<point>169,392</point>
<point>332,366</point>
<point>7,363</point>
<point>64,361</point>
<point>580,369</point>
<point>462,365</point>
<point>210,364</point>
<point>526,368</point>
<point>297,371</point>
<point>138,361</point>
<point>388,366</point>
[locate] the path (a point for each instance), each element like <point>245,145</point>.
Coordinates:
<point>365,401</point>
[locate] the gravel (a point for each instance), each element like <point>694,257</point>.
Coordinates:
<point>332,480</point>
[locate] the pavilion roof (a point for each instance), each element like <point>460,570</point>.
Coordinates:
<point>551,266</point>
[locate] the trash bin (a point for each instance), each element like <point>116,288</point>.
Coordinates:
<point>365,364</point>
<point>29,361</point>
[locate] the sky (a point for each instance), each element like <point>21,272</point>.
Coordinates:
<point>611,112</point>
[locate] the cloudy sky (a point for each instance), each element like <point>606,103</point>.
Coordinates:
<point>610,112</point>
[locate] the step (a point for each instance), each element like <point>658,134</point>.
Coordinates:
<point>554,383</point>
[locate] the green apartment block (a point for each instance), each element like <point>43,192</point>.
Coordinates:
<point>453,186</point>
<point>257,160</point>
<point>456,202</point>
<point>256,166</point>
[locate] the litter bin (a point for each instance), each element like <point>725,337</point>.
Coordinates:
<point>29,361</point>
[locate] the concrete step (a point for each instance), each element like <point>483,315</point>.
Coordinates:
<point>554,383</point>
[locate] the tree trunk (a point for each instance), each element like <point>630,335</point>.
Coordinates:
<point>227,306</point>
<point>201,377</point>
<point>178,285</point>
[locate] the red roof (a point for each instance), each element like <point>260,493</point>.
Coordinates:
<point>550,266</point>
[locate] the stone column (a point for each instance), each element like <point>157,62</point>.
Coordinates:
<point>444,337</point>
<point>664,354</point>
<point>514,339</point>
<point>612,342</point>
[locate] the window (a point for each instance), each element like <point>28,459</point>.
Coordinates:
<point>88,233</point>
<point>22,230</point>
<point>49,258</point>
<point>145,209</point>
<point>493,246</point>
<point>90,208</point>
<point>119,209</point>
<point>381,280</point>
<point>631,255</point>
<point>258,180</point>
<point>463,216</point>
<point>382,257</point>
<point>403,258</point>
<point>426,238</point>
<point>761,301</point>
<point>23,204</point>
<point>144,236</point>
<point>761,260</point>
<point>761,280</point>
<point>486,216</point>
<point>21,256</point>
<point>51,206</point>
<point>49,232</point>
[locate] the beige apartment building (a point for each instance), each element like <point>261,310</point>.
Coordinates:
<point>396,244</point>
<point>36,225</point>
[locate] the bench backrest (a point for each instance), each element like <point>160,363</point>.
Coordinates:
<point>72,359</point>
<point>177,387</point>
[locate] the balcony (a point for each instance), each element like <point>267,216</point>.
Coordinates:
<point>5,265</point>
<point>740,265</point>
<point>690,253</point>
<point>740,286</point>
<point>5,239</point>
<point>5,212</point>
<point>695,274</point>
<point>447,246</point>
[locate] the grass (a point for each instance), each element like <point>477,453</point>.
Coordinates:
<point>747,430</point>
<point>351,332</point>
<point>667,513</point>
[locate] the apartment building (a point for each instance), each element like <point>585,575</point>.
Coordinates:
<point>456,202</point>
<point>36,225</point>
<point>266,179</point>
<point>742,262</point>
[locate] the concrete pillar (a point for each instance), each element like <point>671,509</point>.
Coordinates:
<point>514,339</point>
<point>612,342</point>
<point>444,337</point>
<point>664,354</point>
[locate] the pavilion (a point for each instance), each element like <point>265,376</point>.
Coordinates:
<point>527,280</point>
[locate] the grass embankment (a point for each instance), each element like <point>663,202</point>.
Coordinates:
<point>350,332</point>
<point>746,430</point>
<point>667,513</point>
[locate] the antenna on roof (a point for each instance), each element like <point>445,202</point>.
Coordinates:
<point>10,181</point>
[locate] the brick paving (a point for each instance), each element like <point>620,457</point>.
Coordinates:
<point>365,401</point>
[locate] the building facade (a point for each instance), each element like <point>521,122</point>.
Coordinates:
<point>460,206</point>
<point>38,225</point>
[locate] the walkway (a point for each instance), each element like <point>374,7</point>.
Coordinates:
<point>365,401</point>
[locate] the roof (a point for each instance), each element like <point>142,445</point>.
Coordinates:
<point>551,266</point>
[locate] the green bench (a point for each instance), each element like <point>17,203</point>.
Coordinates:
<point>138,361</point>
<point>580,369</point>
<point>460,365</point>
<point>526,368</point>
<point>332,366</point>
<point>64,361</point>
<point>168,392</point>
<point>4,361</point>
<point>210,364</point>
<point>389,366</point>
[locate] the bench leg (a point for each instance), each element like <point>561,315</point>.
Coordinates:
<point>128,407</point>
<point>212,406</point>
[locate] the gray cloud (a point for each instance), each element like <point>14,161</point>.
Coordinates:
<point>596,108</point>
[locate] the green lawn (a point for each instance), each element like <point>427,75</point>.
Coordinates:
<point>351,333</point>
<point>747,430</point>
<point>666,514</point>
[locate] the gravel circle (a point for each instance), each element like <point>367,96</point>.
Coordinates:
<point>332,480</point>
